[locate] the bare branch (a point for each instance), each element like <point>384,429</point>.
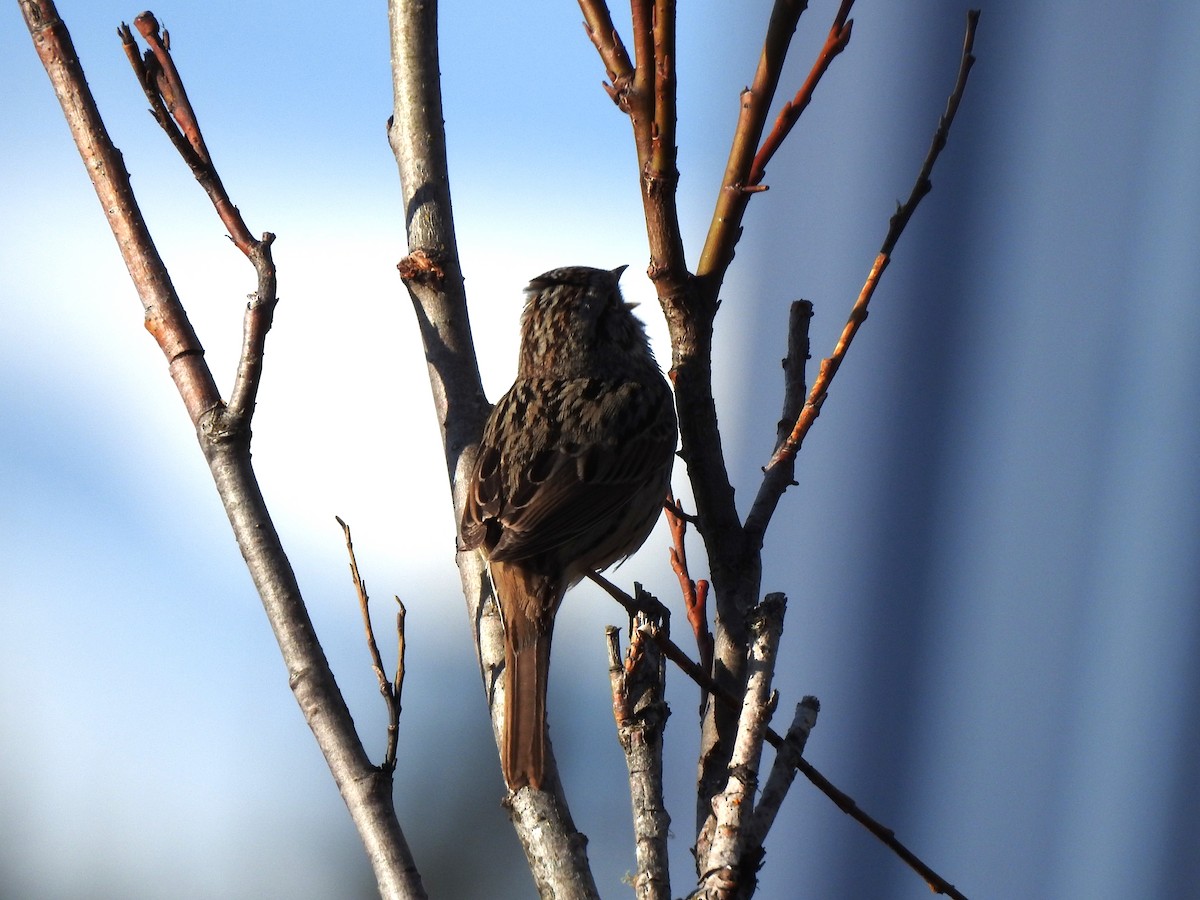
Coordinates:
<point>778,479</point>
<point>225,445</point>
<point>166,319</point>
<point>555,850</point>
<point>858,314</point>
<point>389,690</point>
<point>641,716</point>
<point>841,799</point>
<point>783,773</point>
<point>721,845</point>
<point>835,43</point>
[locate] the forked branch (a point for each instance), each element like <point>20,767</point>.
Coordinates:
<point>840,798</point>
<point>785,454</point>
<point>392,688</point>
<point>835,43</point>
<point>789,753</point>
<point>224,438</point>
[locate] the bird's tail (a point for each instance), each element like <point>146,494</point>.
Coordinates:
<point>527,604</point>
<point>526,671</point>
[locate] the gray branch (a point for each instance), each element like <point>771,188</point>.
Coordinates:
<point>555,850</point>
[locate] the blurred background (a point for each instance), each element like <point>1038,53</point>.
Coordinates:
<point>991,557</point>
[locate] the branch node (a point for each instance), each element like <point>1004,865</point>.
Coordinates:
<point>421,268</point>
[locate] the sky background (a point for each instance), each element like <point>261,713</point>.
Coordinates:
<point>991,558</point>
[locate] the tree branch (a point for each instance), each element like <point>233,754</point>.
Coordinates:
<point>641,717</point>
<point>842,800</point>
<point>783,773</point>
<point>858,314</point>
<point>389,689</point>
<point>721,844</point>
<point>225,442</point>
<point>166,319</point>
<point>730,208</point>
<point>835,43</point>
<point>778,479</point>
<point>556,851</point>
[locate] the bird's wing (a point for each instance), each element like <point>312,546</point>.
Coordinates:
<point>539,486</point>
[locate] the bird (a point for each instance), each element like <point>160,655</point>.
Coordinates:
<point>571,474</point>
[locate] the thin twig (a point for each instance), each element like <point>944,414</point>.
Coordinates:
<point>858,314</point>
<point>695,593</point>
<point>389,690</point>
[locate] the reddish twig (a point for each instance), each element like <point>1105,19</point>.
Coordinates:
<point>835,43</point>
<point>163,86</point>
<point>695,593</point>
<point>730,208</point>
<point>858,314</point>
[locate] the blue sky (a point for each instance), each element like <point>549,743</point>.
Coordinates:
<point>990,557</point>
